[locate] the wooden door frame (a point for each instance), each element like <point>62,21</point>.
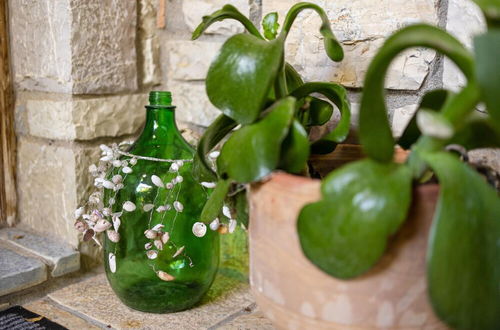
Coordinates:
<point>8,196</point>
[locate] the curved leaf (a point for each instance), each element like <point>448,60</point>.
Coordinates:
<point>220,127</point>
<point>363,203</point>
<point>227,12</point>
<point>332,46</point>
<point>241,75</point>
<point>270,25</point>
<point>487,50</point>
<point>254,151</point>
<point>293,78</point>
<point>338,95</point>
<point>320,112</point>
<point>374,129</point>
<point>463,261</point>
<point>214,204</point>
<point>295,149</point>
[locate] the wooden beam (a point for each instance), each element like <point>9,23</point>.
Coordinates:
<point>8,197</point>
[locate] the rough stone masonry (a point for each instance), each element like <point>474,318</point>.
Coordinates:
<point>82,69</point>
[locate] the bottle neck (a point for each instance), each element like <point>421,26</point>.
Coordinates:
<point>160,124</point>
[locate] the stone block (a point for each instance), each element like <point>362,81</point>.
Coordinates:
<point>192,103</point>
<point>401,117</point>
<point>460,11</point>
<point>148,51</point>
<point>18,272</point>
<point>254,320</point>
<point>362,27</point>
<point>53,181</point>
<point>61,258</point>
<point>73,118</point>
<point>74,46</point>
<point>225,298</point>
<point>194,10</point>
<point>190,60</point>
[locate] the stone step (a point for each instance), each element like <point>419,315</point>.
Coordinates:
<point>61,258</point>
<point>18,272</point>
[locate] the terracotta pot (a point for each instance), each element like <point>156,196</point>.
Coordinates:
<point>295,294</point>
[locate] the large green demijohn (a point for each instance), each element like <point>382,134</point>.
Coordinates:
<point>161,259</point>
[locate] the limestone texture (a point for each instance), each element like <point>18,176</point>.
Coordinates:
<point>190,60</point>
<point>18,272</point>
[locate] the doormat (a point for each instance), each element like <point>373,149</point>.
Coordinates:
<point>18,318</point>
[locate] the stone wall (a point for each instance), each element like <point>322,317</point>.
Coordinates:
<point>82,69</point>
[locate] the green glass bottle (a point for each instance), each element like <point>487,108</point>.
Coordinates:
<point>161,259</point>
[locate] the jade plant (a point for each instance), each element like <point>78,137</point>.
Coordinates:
<point>268,111</point>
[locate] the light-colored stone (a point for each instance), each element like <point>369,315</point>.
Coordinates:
<point>226,297</point>
<point>74,46</point>
<point>464,21</point>
<point>149,48</point>
<point>401,117</point>
<point>61,258</point>
<point>249,321</point>
<point>53,180</point>
<point>190,60</point>
<point>18,272</point>
<point>194,10</point>
<point>362,27</point>
<point>488,157</point>
<point>70,118</point>
<point>48,310</point>
<point>192,103</point>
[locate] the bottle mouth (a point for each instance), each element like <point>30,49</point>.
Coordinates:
<point>160,98</point>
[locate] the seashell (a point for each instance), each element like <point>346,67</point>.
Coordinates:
<point>108,184</point>
<point>151,234</point>
<point>179,251</point>
<point>111,201</point>
<point>129,206</point>
<point>93,168</point>
<point>133,161</point>
<point>106,211</point>
<point>95,198</point>
<point>158,227</point>
<point>174,167</point>
<point>113,236</point>
<point>104,148</point>
<point>87,236</point>
<point>127,170</point>
<point>116,222</point>
<point>102,225</point>
<point>152,254</point>
<point>117,179</point>
<point>222,229</point>
<point>148,246</point>
<point>124,163</point>
<point>209,185</point>
<point>112,262</point>
<point>178,206</point>
<point>164,276</point>
<point>214,154</point>
<point>232,225</point>
<point>226,211</point>
<point>159,244</point>
<point>119,186</point>
<point>179,162</point>
<point>214,225</point>
<point>106,158</point>
<point>168,207</point>
<point>179,179</point>
<point>117,163</point>
<point>165,237</point>
<point>157,181</point>
<point>86,216</point>
<point>148,207</point>
<point>160,209</point>
<point>199,229</point>
<point>81,226</point>
<point>79,212</point>
<point>169,185</point>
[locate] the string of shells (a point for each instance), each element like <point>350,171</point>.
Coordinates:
<point>95,218</point>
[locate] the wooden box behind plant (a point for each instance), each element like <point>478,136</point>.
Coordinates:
<point>295,294</point>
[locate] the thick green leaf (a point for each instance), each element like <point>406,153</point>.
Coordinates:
<point>221,126</point>
<point>487,49</point>
<point>227,12</point>
<point>463,270</point>
<point>332,46</point>
<point>293,78</point>
<point>253,151</point>
<point>320,112</point>
<point>363,203</point>
<point>241,75</point>
<point>433,100</point>
<point>295,149</point>
<point>270,25</point>
<point>214,204</point>
<point>374,129</point>
<point>338,95</point>
<point>478,133</point>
